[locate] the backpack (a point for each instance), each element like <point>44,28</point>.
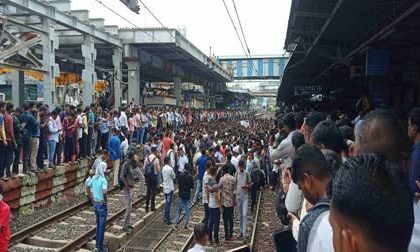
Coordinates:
<point>149,171</point>
<point>256,174</point>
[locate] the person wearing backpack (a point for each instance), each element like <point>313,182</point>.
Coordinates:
<point>312,174</point>
<point>242,185</point>
<point>126,181</point>
<point>256,177</point>
<point>151,171</point>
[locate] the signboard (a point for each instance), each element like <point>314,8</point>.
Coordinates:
<point>218,98</point>
<point>377,62</point>
<point>307,89</point>
<point>245,124</point>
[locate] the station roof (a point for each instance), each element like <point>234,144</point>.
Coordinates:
<point>171,48</point>
<point>323,36</point>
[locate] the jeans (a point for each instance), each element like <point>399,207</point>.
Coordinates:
<point>128,193</point>
<point>101,213</point>
<point>228,221</point>
<point>168,202</point>
<point>140,135</point>
<point>151,194</point>
<point>42,152</point>
<point>198,190</point>
<point>83,145</point>
<point>206,215</point>
<point>2,159</point>
<point>146,130</point>
<point>254,190</point>
<point>98,140</point>
<point>181,204</point>
<point>58,155</point>
<point>104,140</point>
<point>26,156</point>
<point>214,223</point>
<point>51,145</point>
<point>16,161</point>
<point>243,213</point>
<point>90,141</point>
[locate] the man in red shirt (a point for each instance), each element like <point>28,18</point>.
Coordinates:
<point>4,222</point>
<point>10,138</point>
<point>167,140</point>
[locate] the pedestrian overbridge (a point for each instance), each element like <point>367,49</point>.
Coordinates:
<point>269,67</point>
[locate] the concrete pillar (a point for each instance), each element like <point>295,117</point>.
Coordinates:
<point>49,45</point>
<point>18,88</point>
<point>133,81</point>
<point>178,90</point>
<point>88,74</point>
<point>117,62</point>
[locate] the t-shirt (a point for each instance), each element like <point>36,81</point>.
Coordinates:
<point>201,165</point>
<point>320,238</point>
<point>168,176</point>
<point>228,187</point>
<point>5,226</point>
<point>186,184</point>
<point>212,197</point>
<point>97,185</point>
<point>205,182</point>
<point>181,163</point>
<point>242,179</point>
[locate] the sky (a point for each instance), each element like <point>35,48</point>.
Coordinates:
<point>206,22</point>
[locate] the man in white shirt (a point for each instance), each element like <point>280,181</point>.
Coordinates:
<point>53,137</point>
<point>172,155</point>
<point>123,122</point>
<point>168,176</point>
<point>200,237</point>
<point>182,160</point>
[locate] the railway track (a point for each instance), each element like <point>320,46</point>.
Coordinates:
<point>157,236</point>
<point>75,228</point>
<point>183,239</point>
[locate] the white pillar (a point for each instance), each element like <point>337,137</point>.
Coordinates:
<point>49,45</point>
<point>178,90</point>
<point>116,61</point>
<point>88,74</point>
<point>133,82</point>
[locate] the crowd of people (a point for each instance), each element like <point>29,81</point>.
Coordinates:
<point>341,184</point>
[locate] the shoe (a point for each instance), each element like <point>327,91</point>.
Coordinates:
<point>130,227</point>
<point>147,209</point>
<point>153,209</point>
<point>168,223</point>
<point>126,230</point>
<point>217,243</point>
<point>175,227</point>
<point>186,226</point>
<point>240,237</point>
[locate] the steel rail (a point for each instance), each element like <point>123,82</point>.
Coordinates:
<point>171,230</point>
<point>31,230</point>
<point>80,241</point>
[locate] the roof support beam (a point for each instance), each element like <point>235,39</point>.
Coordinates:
<point>378,35</point>
<point>326,24</point>
<point>41,9</point>
<point>311,14</point>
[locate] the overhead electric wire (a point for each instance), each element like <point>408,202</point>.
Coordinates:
<point>247,53</point>
<point>242,30</point>
<point>234,27</point>
<point>150,35</point>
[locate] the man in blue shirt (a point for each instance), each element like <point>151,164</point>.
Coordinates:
<point>114,149</point>
<point>414,134</point>
<point>30,138</point>
<point>98,188</point>
<point>201,168</point>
